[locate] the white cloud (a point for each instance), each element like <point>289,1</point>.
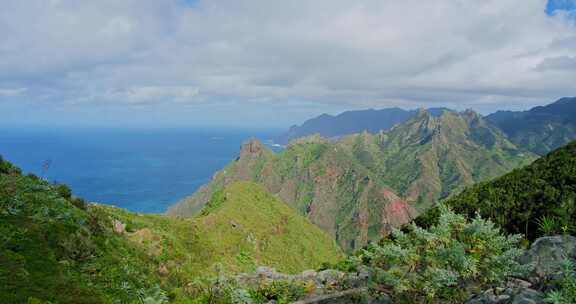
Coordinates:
<point>333,52</point>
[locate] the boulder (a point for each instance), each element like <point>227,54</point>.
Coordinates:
<point>509,296</point>
<point>351,296</point>
<point>118,227</point>
<point>547,254</point>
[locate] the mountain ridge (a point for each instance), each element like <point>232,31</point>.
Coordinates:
<point>542,128</point>
<point>350,122</point>
<point>360,186</point>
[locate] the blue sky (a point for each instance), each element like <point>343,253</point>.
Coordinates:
<point>263,63</point>
<point>560,5</point>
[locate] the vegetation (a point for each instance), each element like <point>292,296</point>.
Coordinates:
<point>566,291</point>
<point>445,263</point>
<point>52,249</point>
<point>541,129</point>
<point>536,200</point>
<point>55,247</point>
<point>358,187</point>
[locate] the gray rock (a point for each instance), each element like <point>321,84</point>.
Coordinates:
<point>352,296</point>
<point>547,253</point>
<point>330,277</point>
<point>528,296</point>
<point>308,274</point>
<point>510,296</point>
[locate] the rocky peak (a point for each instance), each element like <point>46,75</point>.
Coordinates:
<point>422,112</point>
<point>251,148</point>
<point>471,115</point>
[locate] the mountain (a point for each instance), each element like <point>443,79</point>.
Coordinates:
<point>534,200</point>
<point>351,122</point>
<point>358,187</point>
<point>57,248</point>
<point>540,129</point>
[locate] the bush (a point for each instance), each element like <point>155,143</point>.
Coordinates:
<point>7,168</point>
<point>63,190</point>
<point>445,263</point>
<point>566,293</point>
<point>278,291</point>
<point>79,203</point>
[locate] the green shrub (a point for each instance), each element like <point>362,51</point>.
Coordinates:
<point>445,263</point>
<point>63,190</point>
<point>549,225</point>
<point>79,203</point>
<point>519,200</point>
<point>279,291</point>
<point>566,293</point>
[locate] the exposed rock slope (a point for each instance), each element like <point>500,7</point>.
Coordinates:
<point>362,185</point>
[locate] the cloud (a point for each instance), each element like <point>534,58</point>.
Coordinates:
<point>150,94</point>
<point>566,63</point>
<point>5,92</point>
<point>336,53</point>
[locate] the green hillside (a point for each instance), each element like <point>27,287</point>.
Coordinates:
<point>535,200</point>
<point>359,187</point>
<point>253,228</point>
<point>57,248</point>
<point>540,129</point>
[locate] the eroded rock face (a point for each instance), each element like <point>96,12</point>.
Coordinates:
<point>251,148</point>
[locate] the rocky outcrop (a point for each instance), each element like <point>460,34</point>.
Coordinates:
<point>515,292</point>
<point>547,254</point>
<point>326,286</point>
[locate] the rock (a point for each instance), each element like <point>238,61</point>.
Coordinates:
<point>510,296</point>
<point>518,284</point>
<point>270,273</point>
<point>251,148</point>
<point>330,277</point>
<point>308,274</point>
<point>528,296</point>
<point>118,227</point>
<point>352,296</point>
<point>547,253</point>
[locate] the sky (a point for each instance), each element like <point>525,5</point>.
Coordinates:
<point>261,63</point>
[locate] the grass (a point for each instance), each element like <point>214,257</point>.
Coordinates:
<point>56,248</point>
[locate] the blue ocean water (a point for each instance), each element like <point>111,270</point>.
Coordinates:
<point>140,170</point>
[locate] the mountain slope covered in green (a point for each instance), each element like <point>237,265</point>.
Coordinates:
<point>540,129</point>
<point>55,247</point>
<point>359,187</point>
<point>534,200</point>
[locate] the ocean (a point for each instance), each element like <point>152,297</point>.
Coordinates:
<point>141,170</point>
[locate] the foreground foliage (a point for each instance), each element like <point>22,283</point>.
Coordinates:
<point>566,291</point>
<point>445,263</point>
<point>53,247</point>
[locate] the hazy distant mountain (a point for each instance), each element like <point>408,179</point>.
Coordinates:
<point>351,122</point>
<point>540,129</point>
<point>358,187</point>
